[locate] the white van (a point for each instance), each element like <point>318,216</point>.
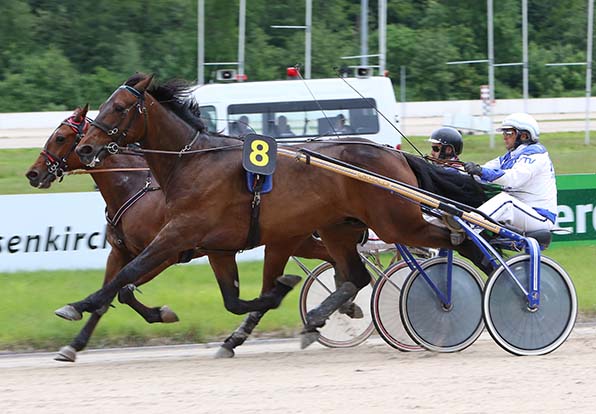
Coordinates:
<point>302,108</point>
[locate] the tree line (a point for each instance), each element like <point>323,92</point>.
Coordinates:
<point>55,55</point>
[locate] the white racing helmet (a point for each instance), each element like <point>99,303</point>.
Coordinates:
<point>522,122</point>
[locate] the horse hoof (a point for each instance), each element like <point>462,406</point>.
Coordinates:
<point>352,310</point>
<point>356,312</point>
<point>289,280</point>
<point>224,352</point>
<point>168,315</point>
<point>66,354</point>
<point>307,338</point>
<point>69,313</point>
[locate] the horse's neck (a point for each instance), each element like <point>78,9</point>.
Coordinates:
<point>165,132</point>
<point>119,186</point>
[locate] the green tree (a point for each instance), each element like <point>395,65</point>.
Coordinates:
<point>47,82</point>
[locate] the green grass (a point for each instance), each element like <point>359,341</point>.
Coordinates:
<point>28,299</point>
<point>27,302</point>
<point>14,163</point>
<point>567,150</point>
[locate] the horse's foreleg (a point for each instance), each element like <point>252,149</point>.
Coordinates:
<point>116,260</point>
<point>167,244</point>
<point>276,258</point>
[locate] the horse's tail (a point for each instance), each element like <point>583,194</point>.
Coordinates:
<point>446,182</point>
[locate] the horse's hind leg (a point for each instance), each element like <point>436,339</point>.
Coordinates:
<point>162,314</point>
<point>341,243</point>
<point>276,258</point>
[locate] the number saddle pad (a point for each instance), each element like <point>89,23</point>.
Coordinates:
<point>267,184</point>
<point>259,156</point>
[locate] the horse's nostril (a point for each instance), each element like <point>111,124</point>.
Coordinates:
<point>32,174</point>
<point>85,150</point>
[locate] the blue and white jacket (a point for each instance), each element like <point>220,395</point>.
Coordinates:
<point>526,173</point>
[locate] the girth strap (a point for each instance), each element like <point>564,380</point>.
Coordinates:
<point>254,233</point>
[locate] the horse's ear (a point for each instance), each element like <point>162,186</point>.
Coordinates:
<point>80,113</point>
<point>143,84</point>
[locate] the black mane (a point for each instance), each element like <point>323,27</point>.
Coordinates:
<point>447,183</point>
<point>175,95</point>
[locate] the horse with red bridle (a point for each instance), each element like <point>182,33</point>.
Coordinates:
<point>207,203</point>
<point>135,207</point>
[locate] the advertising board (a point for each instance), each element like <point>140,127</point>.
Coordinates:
<point>59,231</point>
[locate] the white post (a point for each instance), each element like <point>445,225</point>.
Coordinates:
<point>307,39</point>
<point>525,51</point>
<point>241,37</point>
<point>201,42</point>
<point>491,69</point>
<point>402,98</point>
<point>382,35</point>
<point>363,32</point>
<point>589,70</point>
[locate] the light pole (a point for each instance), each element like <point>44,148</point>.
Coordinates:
<point>588,64</point>
<point>201,42</point>
<point>241,36</point>
<point>364,32</point>
<point>307,37</point>
<point>491,70</point>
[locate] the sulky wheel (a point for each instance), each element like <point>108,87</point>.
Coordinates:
<point>519,329</point>
<point>341,330</point>
<point>429,322</point>
<point>384,307</point>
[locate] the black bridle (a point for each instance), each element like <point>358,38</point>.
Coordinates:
<point>57,166</point>
<point>117,132</point>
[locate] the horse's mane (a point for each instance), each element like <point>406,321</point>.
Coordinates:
<point>175,95</point>
<point>447,183</point>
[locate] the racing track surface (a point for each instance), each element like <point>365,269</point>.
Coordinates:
<point>276,377</point>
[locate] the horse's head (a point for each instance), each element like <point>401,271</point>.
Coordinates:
<point>122,120</point>
<point>58,154</point>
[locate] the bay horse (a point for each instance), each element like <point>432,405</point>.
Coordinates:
<point>135,208</point>
<point>207,203</point>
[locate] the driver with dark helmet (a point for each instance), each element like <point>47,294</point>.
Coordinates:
<point>525,172</point>
<point>446,145</point>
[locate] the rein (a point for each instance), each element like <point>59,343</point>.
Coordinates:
<point>127,150</point>
<point>104,170</point>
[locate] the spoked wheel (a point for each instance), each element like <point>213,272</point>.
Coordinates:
<point>341,330</point>
<point>519,329</point>
<point>384,307</point>
<point>437,327</point>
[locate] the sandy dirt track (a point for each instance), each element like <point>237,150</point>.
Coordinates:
<point>276,377</point>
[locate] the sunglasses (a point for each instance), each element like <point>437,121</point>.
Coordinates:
<point>509,132</point>
<point>436,148</point>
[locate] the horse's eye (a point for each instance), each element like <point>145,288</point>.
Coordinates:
<point>60,139</point>
<point>118,108</point>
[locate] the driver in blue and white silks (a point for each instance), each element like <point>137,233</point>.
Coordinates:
<point>525,172</point>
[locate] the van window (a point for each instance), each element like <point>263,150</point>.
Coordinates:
<point>209,117</point>
<point>305,118</point>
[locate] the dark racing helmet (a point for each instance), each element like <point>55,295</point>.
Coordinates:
<point>448,136</point>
